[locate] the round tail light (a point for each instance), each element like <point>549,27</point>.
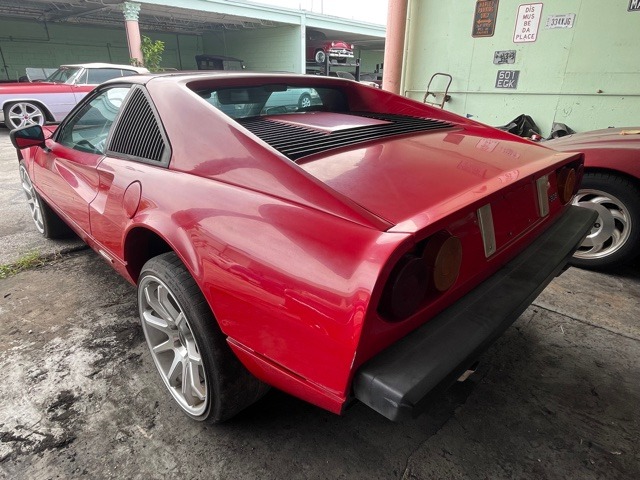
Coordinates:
<point>443,256</point>
<point>405,288</point>
<point>566,184</point>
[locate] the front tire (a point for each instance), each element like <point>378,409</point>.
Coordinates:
<point>189,350</point>
<point>320,56</point>
<point>47,222</point>
<point>22,114</point>
<point>614,238</point>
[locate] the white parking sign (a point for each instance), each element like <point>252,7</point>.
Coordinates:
<point>527,23</point>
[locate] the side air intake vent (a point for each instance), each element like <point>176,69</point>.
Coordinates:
<point>296,141</point>
<point>138,134</point>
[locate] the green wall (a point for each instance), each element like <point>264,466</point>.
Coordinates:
<point>36,44</point>
<point>587,76</point>
<point>272,49</point>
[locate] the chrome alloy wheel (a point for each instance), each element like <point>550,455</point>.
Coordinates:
<point>22,114</point>
<point>612,228</point>
<point>32,199</point>
<point>173,346</point>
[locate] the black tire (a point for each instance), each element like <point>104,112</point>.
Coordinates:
<point>320,56</point>
<point>617,200</point>
<point>229,387</point>
<point>304,101</point>
<point>34,112</point>
<point>47,222</point>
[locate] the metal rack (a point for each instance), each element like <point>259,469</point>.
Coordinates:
<point>325,68</point>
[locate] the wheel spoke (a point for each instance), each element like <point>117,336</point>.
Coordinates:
<point>164,346</point>
<point>175,371</point>
<point>620,216</point>
<point>154,297</point>
<point>157,323</point>
<point>192,387</point>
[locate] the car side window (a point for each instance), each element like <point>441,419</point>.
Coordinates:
<point>99,75</point>
<point>88,129</point>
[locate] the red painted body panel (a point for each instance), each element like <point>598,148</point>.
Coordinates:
<point>615,149</point>
<point>68,179</point>
<point>292,258</point>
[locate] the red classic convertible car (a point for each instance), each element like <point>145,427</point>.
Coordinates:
<point>611,187</point>
<point>366,247</point>
<point>50,100</point>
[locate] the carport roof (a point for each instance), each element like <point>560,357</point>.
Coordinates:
<point>191,16</point>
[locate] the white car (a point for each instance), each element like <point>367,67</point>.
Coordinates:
<point>50,100</point>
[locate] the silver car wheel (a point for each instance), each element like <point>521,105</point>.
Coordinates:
<point>22,114</point>
<point>304,101</point>
<point>32,199</point>
<point>612,228</point>
<point>173,345</point>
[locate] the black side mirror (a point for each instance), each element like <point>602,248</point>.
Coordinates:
<point>25,137</point>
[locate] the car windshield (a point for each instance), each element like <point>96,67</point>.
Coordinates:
<point>278,99</point>
<point>63,75</point>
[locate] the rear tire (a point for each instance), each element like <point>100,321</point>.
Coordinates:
<point>615,237</point>
<point>189,350</point>
<point>47,222</point>
<point>304,101</point>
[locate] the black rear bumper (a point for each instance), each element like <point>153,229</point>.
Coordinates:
<point>400,381</point>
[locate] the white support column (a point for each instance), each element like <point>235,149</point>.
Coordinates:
<point>131,12</point>
<point>303,43</point>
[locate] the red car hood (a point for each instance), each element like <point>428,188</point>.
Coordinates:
<point>413,182</point>
<point>624,138</point>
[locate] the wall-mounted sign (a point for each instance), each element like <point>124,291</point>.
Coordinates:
<point>484,20</point>
<point>634,6</point>
<point>502,57</point>
<point>507,78</point>
<point>527,23</point>
<point>562,21</point>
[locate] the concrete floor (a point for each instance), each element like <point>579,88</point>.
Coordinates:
<point>557,396</point>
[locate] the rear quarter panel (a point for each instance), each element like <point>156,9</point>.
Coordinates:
<point>288,282</point>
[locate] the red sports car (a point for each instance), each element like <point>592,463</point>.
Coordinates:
<point>365,247</point>
<point>611,187</point>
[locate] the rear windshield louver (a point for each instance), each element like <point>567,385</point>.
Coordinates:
<point>137,133</point>
<point>296,142</point>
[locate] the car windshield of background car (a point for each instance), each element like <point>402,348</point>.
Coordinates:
<point>64,75</point>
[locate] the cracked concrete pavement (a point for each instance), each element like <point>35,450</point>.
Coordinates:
<point>556,397</point>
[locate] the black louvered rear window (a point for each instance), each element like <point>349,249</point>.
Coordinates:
<point>296,142</point>
<point>138,134</point>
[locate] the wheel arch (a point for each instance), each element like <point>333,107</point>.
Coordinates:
<point>140,245</point>
<point>47,113</point>
<point>635,181</point>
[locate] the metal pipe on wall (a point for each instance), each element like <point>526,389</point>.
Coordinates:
<point>394,45</point>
